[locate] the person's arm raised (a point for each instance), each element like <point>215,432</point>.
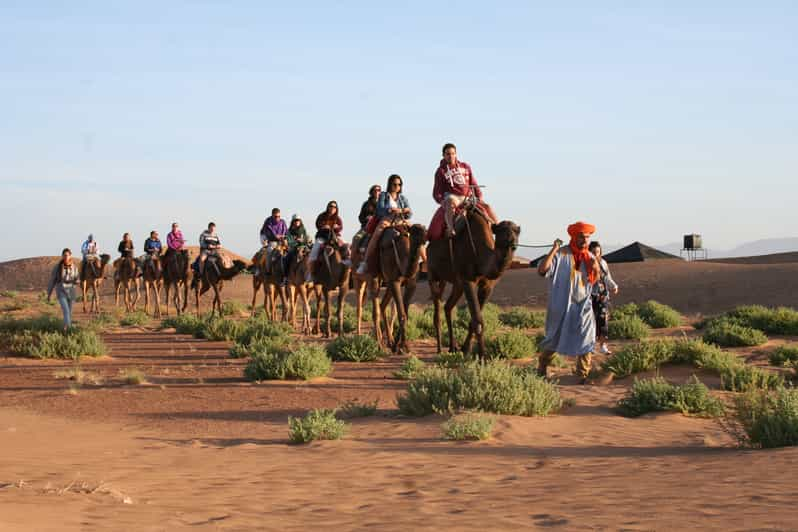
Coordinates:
<point>545,264</point>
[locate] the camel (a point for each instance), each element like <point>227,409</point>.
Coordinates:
<point>330,273</point>
<point>271,282</point>
<point>175,276</point>
<point>152,274</point>
<point>363,284</point>
<point>472,262</point>
<point>92,277</point>
<point>125,275</point>
<point>399,250</point>
<point>298,286</point>
<point>213,276</point>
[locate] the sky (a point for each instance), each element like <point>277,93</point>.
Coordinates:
<point>649,119</point>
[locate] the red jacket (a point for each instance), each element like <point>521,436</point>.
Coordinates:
<point>455,181</point>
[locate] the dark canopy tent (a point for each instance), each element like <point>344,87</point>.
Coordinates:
<point>637,252</point>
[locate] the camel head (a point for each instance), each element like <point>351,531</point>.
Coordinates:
<point>418,235</point>
<point>507,234</point>
<point>105,258</point>
<point>239,266</point>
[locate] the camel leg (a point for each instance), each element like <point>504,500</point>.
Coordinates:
<point>326,303</point>
<point>360,293</point>
<point>305,298</point>
<point>454,297</point>
<point>117,286</point>
<point>185,295</point>
<point>157,289</point>
<point>396,292</point>
<point>292,295</point>
<point>436,293</point>
<point>255,288</point>
<point>341,303</point>
<point>83,289</point>
<point>284,303</point>
<point>376,317</point>
<point>387,317</point>
<point>475,326</point>
<point>407,297</point>
<point>137,285</point>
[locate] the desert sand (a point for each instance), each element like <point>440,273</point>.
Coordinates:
<point>199,447</point>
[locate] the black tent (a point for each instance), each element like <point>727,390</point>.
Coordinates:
<point>637,252</point>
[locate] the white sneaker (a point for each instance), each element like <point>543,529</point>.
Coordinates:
<point>361,269</point>
<point>605,350</point>
<point>346,262</point>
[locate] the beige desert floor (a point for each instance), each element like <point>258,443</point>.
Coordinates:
<point>201,448</point>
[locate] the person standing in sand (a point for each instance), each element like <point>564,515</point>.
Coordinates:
<point>63,279</point>
<point>602,288</point>
<point>570,325</point>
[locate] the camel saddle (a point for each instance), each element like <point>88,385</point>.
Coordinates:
<point>437,226</point>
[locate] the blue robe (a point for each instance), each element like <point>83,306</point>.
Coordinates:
<point>570,324</point>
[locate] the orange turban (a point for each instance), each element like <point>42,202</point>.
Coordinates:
<point>581,255</point>
<point>580,227</point>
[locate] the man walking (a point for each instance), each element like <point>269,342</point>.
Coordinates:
<point>570,325</point>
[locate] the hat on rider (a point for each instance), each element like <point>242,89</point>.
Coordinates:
<point>295,217</point>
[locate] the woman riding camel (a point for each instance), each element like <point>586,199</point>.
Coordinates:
<point>329,220</point>
<point>392,207</point>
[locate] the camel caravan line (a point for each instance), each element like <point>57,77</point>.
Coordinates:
<point>472,261</point>
<point>465,247</point>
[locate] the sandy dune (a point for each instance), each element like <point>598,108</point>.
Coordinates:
<point>199,447</point>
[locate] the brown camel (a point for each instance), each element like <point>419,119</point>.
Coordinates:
<point>364,284</point>
<point>330,273</point>
<point>152,274</point>
<point>175,276</point>
<point>125,276</point>
<point>93,271</point>
<point>298,286</point>
<point>271,279</point>
<point>472,262</point>
<point>213,276</point>
<point>399,250</point>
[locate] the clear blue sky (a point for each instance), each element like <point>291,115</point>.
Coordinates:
<point>650,120</point>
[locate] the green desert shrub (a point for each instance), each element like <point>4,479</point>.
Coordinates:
<point>353,409</point>
<point>305,362</point>
<point>452,360</point>
<point>72,344</point>
<point>137,318</point>
<point>277,343</point>
<point>40,323</point>
<point>510,345</point>
<point>522,318</point>
<point>769,419</point>
<point>727,333</point>
<point>133,376</point>
<point>780,320</point>
<point>627,310</point>
<point>467,426</point>
<point>350,317</point>
<point>357,348</point>
<point>492,386</point>
<point>628,327</point>
<point>659,316</point>
<point>184,324</point>
<point>233,308</point>
<point>657,395</point>
<point>784,355</point>
<point>741,378</point>
<point>642,356</point>
<point>218,329</point>
<point>409,368</point>
<point>260,328</point>
<point>317,424</point>
<point>11,294</point>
